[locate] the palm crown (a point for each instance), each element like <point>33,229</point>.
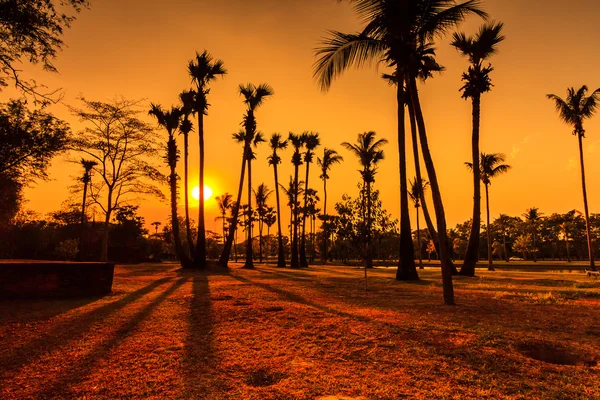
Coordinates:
<point>490,166</point>
<point>330,157</point>
<point>276,143</point>
<point>203,69</point>
<point>576,107</point>
<point>368,150</point>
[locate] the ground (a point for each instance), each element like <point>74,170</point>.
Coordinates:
<point>283,334</point>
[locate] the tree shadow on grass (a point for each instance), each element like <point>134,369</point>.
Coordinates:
<point>12,310</point>
<point>201,379</point>
<point>72,329</point>
<point>79,370</point>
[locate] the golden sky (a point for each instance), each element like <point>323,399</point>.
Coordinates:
<point>140,49</point>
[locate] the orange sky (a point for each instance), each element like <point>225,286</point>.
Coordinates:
<point>139,49</point>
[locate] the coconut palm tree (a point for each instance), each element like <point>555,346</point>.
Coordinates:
<point>297,142</point>
<point>170,120</point>
<point>269,219</point>
<point>330,157</point>
<point>533,216</point>
<point>477,49</point>
<point>277,143</point>
<point>261,196</point>
<point>224,202</point>
<point>254,97</point>
<point>369,153</point>
<point>490,166</point>
<point>88,166</point>
<point>156,224</point>
<point>185,128</point>
<point>203,69</point>
<point>576,108</point>
<point>311,142</point>
<point>393,34</point>
<point>417,189</point>
<point>504,221</point>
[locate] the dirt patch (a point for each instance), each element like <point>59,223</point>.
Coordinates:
<point>274,309</point>
<point>555,354</point>
<point>263,377</point>
<point>221,298</point>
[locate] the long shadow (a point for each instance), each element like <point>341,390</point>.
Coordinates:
<point>200,360</point>
<point>46,342</point>
<point>38,309</point>
<point>78,371</point>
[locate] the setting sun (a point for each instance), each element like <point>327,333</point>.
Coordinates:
<point>207,193</point>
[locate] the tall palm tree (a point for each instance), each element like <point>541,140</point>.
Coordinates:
<point>297,142</point>
<point>369,153</point>
<point>185,128</point>
<point>393,34</point>
<point>254,97</point>
<point>225,203</point>
<point>574,110</point>
<point>504,221</point>
<point>490,166</point>
<point>330,157</point>
<point>533,216</point>
<point>478,49</point>
<point>417,189</point>
<point>277,143</point>
<point>203,69</point>
<point>311,142</point>
<point>156,224</point>
<point>88,166</point>
<point>261,196</point>
<point>170,120</point>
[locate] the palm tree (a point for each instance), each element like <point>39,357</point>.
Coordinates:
<point>88,166</point>
<point>156,224</point>
<point>476,82</point>
<point>574,110</point>
<point>368,150</point>
<point>417,189</point>
<point>277,143</point>
<point>254,97</point>
<point>533,216</point>
<point>490,166</point>
<point>311,142</point>
<point>185,128</point>
<point>269,219</point>
<point>170,120</point>
<point>297,142</point>
<point>504,221</point>
<point>330,157</point>
<point>225,203</point>
<point>203,70</point>
<point>261,196</point>
<point>393,34</point>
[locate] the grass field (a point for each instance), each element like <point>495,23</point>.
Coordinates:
<point>316,333</point>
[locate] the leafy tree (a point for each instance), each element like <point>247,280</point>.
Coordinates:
<point>573,110</point>
<point>490,166</point>
<point>477,49</point>
<point>32,31</point>
<point>122,144</point>
<point>330,157</point>
<point>277,143</point>
<point>30,139</point>
<point>203,70</point>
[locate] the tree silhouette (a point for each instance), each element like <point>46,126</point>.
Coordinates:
<point>477,81</point>
<point>417,190</point>
<point>261,196</point>
<point>203,70</point>
<point>156,224</point>
<point>330,157</point>
<point>225,202</point>
<point>170,120</point>
<point>490,166</point>
<point>187,97</point>
<point>533,217</point>
<point>369,153</point>
<point>393,34</point>
<point>574,110</point>
<point>88,166</point>
<point>277,143</point>
<point>297,142</point>
<point>311,141</point>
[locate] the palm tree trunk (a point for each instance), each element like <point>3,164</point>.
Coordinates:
<point>472,254</point>
<point>261,226</point>
<point>504,244</point>
<point>567,244</point>
<point>224,259</point>
<point>184,260</point>
<point>326,222</point>
<point>280,252</point>
<point>303,261</point>
<point>585,206</point>
<point>188,228</point>
<point>295,262</point>
<point>534,242</point>
<point>448,288</point>
<point>249,254</point>
<point>369,257</point>
<point>80,256</point>
<point>104,248</point>
<point>426,215</point>
<point>200,259</point>
<point>224,217</point>
<point>419,239</point>
<point>407,270</point>
<point>489,231</point>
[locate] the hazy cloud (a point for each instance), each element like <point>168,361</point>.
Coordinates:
<point>517,147</point>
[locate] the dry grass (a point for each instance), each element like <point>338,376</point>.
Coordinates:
<point>282,334</point>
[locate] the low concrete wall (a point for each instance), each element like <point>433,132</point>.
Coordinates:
<point>54,279</point>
